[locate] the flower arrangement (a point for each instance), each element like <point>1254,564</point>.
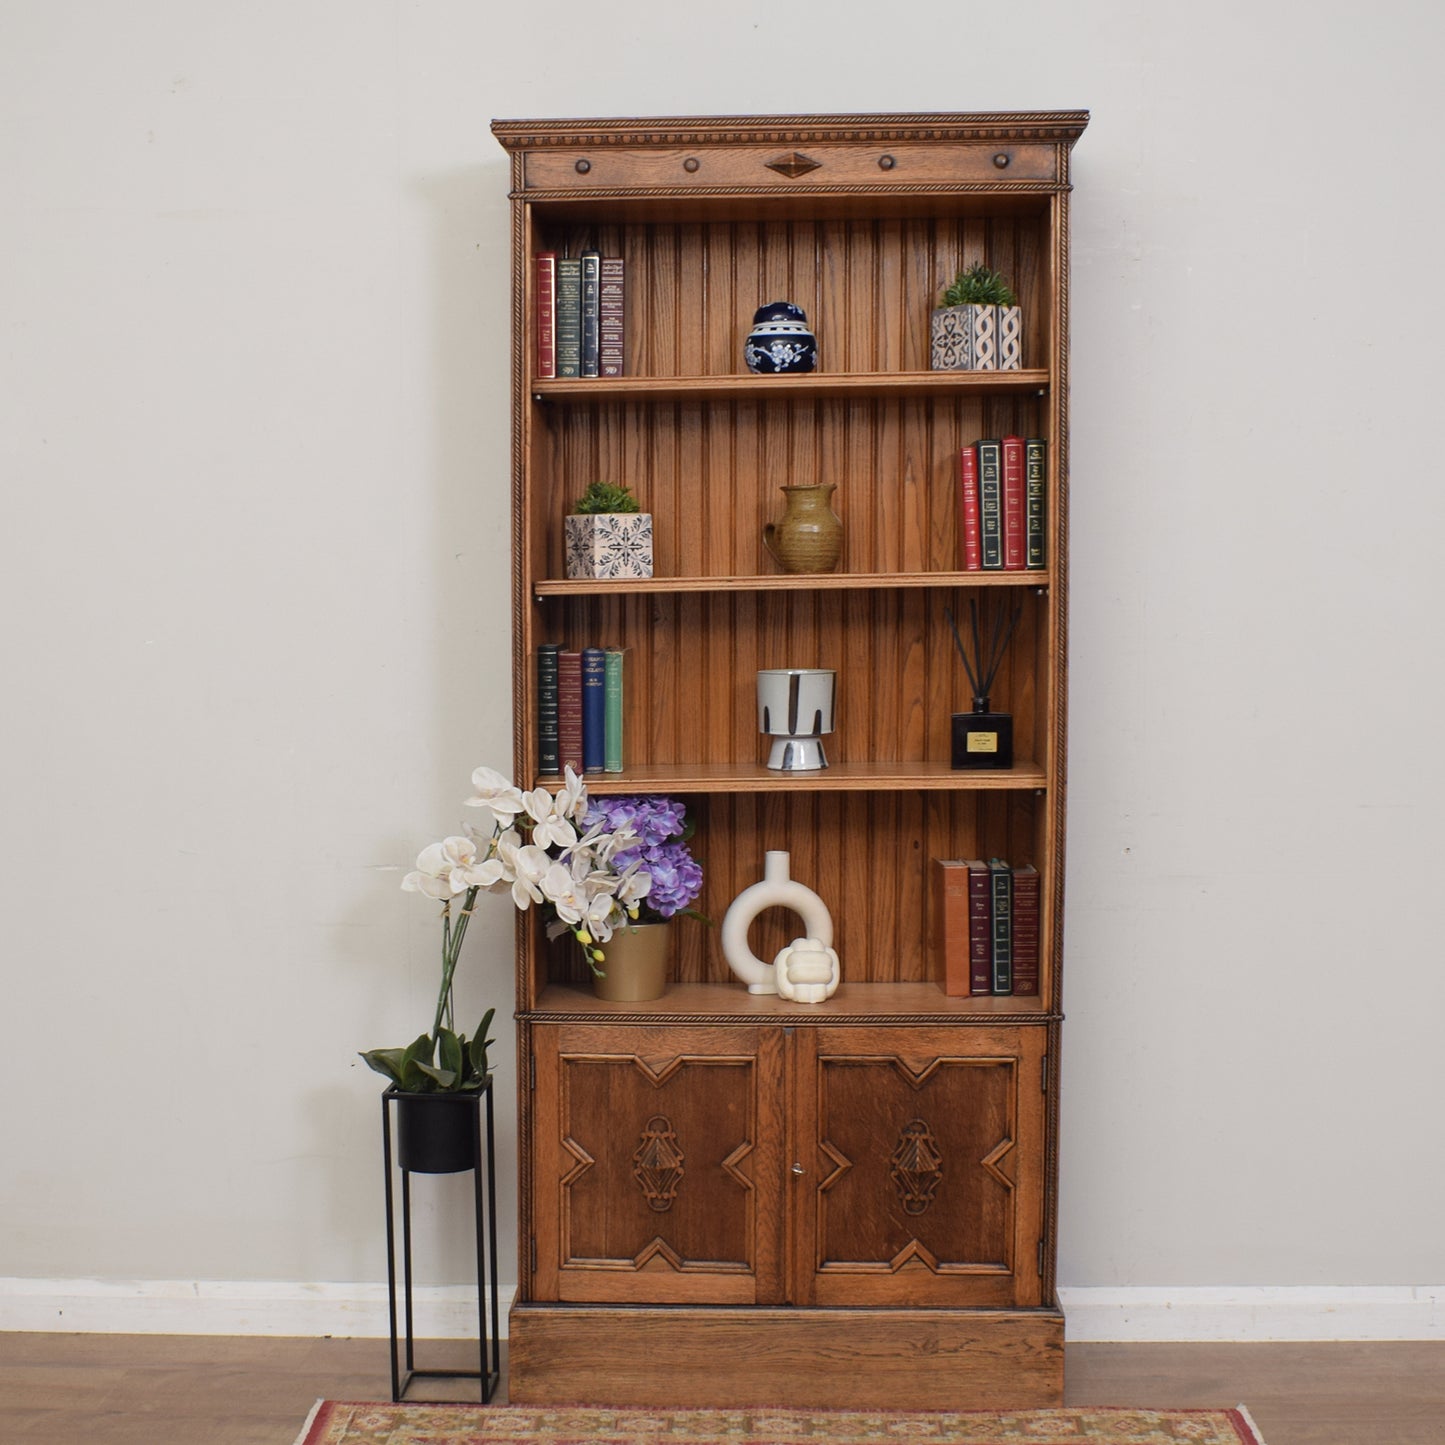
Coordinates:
<point>659,834</point>
<point>586,882</point>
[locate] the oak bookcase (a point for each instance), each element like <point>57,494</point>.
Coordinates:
<point>791,1267</point>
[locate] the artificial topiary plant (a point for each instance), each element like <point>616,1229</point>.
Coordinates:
<point>980,286</point>
<point>605,497</point>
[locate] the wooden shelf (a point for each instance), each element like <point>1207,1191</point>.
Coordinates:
<point>750,387</point>
<point>798,582</point>
<point>839,778</point>
<point>856,1002</point>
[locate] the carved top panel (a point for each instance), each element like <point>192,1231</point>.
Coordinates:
<point>792,130</point>
<point>787,155</point>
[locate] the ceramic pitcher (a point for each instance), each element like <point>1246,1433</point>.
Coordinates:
<point>810,536</point>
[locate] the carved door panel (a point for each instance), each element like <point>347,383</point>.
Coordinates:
<point>921,1153</point>
<point>658,1164</point>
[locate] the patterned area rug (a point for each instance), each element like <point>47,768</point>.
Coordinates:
<point>335,1422</point>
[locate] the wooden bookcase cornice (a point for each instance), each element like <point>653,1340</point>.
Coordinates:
<point>792,130</point>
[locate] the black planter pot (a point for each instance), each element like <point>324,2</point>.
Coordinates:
<point>436,1133</point>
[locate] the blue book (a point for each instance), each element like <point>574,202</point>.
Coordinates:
<point>594,709</point>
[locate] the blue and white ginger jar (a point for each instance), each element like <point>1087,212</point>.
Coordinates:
<point>780,340</point>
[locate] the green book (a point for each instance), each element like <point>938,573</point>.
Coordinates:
<point>1035,472</point>
<point>612,694</point>
<point>569,316</point>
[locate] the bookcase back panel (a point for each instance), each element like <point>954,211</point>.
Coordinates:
<point>868,286</point>
<point>690,691</point>
<point>868,856</point>
<point>711,473</point>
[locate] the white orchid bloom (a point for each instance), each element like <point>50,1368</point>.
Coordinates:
<point>444,869</point>
<point>634,885</point>
<point>503,852</point>
<point>608,845</point>
<point>572,799</point>
<point>550,825</point>
<point>494,876</point>
<point>600,881</point>
<point>563,894</point>
<point>530,865</point>
<point>602,916</point>
<point>497,795</point>
<point>424,883</point>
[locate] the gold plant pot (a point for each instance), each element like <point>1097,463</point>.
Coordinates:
<point>635,963</point>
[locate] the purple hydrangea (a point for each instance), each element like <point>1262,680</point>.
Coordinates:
<point>659,826</point>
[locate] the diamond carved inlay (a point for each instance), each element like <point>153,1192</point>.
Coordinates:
<point>793,165</point>
<point>658,1163</point>
<point>917,1167</point>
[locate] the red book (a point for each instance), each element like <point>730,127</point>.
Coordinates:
<point>1014,548</point>
<point>612,311</point>
<point>980,927</point>
<point>949,944</point>
<point>569,710</point>
<point>968,513</point>
<point>546,313</point>
<point>1026,930</point>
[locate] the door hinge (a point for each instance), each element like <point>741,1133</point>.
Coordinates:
<point>1044,1082</point>
<point>1041,1259</point>
<point>534,1255</point>
<point>532,1082</point>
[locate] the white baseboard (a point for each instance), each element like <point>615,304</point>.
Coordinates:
<point>182,1307</point>
<point>185,1307</point>
<point>1255,1313</point>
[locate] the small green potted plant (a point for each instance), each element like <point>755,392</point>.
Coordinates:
<point>608,535</point>
<point>979,325</point>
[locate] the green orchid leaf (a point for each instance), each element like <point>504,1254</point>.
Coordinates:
<point>445,1078</point>
<point>385,1061</point>
<point>477,1052</point>
<point>419,1049</point>
<point>450,1055</point>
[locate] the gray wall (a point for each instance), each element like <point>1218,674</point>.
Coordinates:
<point>253,371</point>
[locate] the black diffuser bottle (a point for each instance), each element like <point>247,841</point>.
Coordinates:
<point>983,738</point>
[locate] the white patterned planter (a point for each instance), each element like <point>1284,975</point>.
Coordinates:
<point>1010,338</point>
<point>976,338</point>
<point>606,545</point>
<point>951,338</point>
<point>985,338</point>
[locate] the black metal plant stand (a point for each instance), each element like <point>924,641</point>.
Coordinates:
<point>443,1134</point>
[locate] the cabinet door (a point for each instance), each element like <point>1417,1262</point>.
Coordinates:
<point>658,1164</point>
<point>918,1172</point>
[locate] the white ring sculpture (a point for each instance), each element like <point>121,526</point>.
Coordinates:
<point>777,890</point>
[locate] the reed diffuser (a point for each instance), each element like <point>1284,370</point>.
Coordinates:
<point>983,738</point>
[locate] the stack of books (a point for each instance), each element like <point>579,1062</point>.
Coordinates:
<point>1002,504</point>
<point>581,314</point>
<point>985,926</point>
<point>579,709</point>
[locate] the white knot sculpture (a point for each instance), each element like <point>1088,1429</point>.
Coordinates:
<point>807,971</point>
<point>777,890</point>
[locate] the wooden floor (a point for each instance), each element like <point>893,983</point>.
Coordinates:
<point>60,1389</point>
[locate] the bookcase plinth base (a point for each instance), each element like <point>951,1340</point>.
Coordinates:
<point>804,1359</point>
